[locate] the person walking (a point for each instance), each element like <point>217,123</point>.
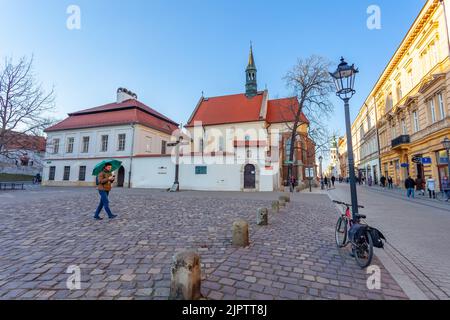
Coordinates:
<point>369,181</point>
<point>383,181</point>
<point>325,181</point>
<point>292,183</point>
<point>409,185</point>
<point>390,183</point>
<point>431,187</point>
<point>446,188</point>
<point>104,180</point>
<point>333,180</point>
<point>420,186</point>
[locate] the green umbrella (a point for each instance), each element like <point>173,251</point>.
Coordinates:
<point>99,167</point>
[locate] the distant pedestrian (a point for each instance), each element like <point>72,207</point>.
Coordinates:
<point>420,185</point>
<point>409,185</point>
<point>105,178</point>
<point>431,187</point>
<point>292,183</point>
<point>446,187</point>
<point>325,181</point>
<point>333,180</point>
<point>390,183</point>
<point>369,181</point>
<point>383,181</point>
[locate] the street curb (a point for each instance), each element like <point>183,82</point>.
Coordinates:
<point>405,282</point>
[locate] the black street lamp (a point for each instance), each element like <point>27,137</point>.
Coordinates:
<point>446,144</point>
<point>320,172</point>
<point>344,79</point>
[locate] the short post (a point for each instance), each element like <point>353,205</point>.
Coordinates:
<point>282,203</point>
<point>262,217</point>
<point>240,233</point>
<point>186,276</point>
<point>275,206</point>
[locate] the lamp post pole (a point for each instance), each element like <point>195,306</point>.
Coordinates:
<point>351,161</point>
<point>344,79</point>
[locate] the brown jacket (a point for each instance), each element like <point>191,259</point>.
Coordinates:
<point>103,181</point>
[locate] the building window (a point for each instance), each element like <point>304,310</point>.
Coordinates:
<point>399,91</point>
<point>121,144</point>
<point>404,128</point>
<point>85,148</point>
<point>432,110</point>
<point>221,146</point>
<point>389,102</point>
<point>51,173</point>
<point>411,79</point>
<point>287,150</point>
<point>441,105</point>
<point>163,147</point>
<point>82,173</point>
<point>416,121</point>
<point>394,132</point>
<point>55,146</point>
<point>70,142</point>
<point>66,176</point>
<point>104,146</point>
<point>148,145</point>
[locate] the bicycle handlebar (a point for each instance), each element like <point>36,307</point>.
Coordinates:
<point>346,204</point>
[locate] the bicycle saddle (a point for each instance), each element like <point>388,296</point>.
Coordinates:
<point>360,216</point>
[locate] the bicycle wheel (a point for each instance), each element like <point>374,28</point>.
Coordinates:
<point>341,232</point>
<point>363,251</point>
<point>440,196</point>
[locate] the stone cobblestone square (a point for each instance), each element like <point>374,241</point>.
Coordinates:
<point>294,257</point>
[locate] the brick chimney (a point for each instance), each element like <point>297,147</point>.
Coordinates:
<point>124,94</point>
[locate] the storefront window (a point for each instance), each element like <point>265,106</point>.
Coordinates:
<point>442,157</point>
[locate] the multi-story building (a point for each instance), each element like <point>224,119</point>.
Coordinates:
<point>407,111</point>
<point>236,142</point>
<point>126,130</point>
<point>343,158</point>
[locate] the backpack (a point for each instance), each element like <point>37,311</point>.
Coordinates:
<point>377,238</point>
<point>96,181</point>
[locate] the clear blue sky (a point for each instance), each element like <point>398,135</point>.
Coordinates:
<point>168,52</point>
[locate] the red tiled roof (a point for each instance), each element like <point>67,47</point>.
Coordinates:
<point>16,140</point>
<point>227,109</point>
<point>283,110</point>
<point>127,112</point>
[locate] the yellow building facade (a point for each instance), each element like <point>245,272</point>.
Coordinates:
<point>412,98</point>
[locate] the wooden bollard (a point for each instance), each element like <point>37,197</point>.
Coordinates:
<point>275,207</point>
<point>262,217</point>
<point>240,233</point>
<point>186,276</point>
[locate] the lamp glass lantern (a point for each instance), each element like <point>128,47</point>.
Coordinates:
<point>344,79</point>
<point>446,144</point>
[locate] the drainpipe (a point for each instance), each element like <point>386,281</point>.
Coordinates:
<point>378,137</point>
<point>131,155</point>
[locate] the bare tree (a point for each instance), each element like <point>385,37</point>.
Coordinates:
<point>312,84</point>
<point>24,106</point>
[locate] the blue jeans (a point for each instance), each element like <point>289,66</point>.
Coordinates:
<point>410,192</point>
<point>104,203</point>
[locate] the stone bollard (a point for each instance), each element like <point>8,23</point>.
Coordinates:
<point>240,233</point>
<point>275,207</point>
<point>282,203</point>
<point>287,198</point>
<point>186,276</point>
<point>262,217</point>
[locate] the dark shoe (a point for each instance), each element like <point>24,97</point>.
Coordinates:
<point>113,216</point>
<point>98,218</point>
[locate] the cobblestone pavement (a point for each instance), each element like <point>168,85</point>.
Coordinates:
<point>417,233</point>
<point>45,231</point>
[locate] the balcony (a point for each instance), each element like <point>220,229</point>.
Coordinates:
<point>401,141</point>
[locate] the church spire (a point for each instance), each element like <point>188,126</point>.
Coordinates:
<point>251,87</point>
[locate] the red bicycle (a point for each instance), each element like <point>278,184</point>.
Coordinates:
<point>351,230</point>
